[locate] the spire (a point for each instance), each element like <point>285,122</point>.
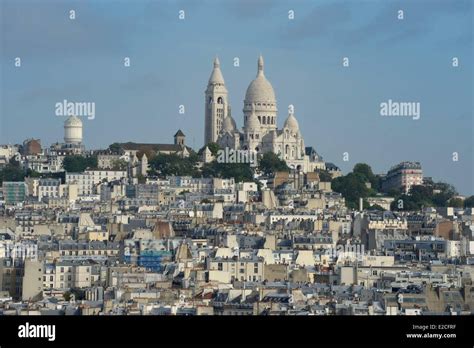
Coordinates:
<point>216,75</point>
<point>260,65</point>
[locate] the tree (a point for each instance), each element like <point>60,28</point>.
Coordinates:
<point>115,148</point>
<point>239,171</point>
<point>78,164</point>
<point>213,147</point>
<point>352,187</point>
<point>422,195</point>
<point>172,164</point>
<point>366,171</point>
<point>270,163</point>
<point>455,203</point>
<point>404,203</point>
<point>324,176</point>
<point>469,202</point>
<point>377,207</point>
<point>444,192</point>
<point>11,173</point>
<point>119,164</point>
<point>141,179</point>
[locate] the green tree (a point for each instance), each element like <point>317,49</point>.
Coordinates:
<point>455,203</point>
<point>366,171</point>
<point>77,163</point>
<point>11,173</point>
<point>469,202</point>
<point>270,163</point>
<point>352,187</point>
<point>213,147</point>
<point>377,207</point>
<point>444,192</point>
<point>324,176</point>
<point>421,195</point>
<point>115,148</point>
<point>407,204</point>
<point>239,171</point>
<point>172,164</point>
<point>141,179</point>
<point>119,164</point>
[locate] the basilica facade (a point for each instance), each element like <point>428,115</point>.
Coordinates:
<point>260,132</point>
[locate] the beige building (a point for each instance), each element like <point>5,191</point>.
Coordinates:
<point>237,269</point>
<point>32,280</point>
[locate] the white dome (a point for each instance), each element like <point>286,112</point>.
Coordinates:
<point>260,89</point>
<point>291,123</point>
<point>252,122</point>
<point>229,124</point>
<point>73,121</point>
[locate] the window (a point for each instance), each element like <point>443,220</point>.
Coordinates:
<point>219,266</point>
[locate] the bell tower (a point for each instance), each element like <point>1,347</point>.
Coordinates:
<point>216,104</point>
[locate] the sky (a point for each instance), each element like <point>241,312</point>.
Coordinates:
<point>337,107</point>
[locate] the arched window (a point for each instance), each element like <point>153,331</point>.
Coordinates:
<point>210,100</point>
<point>259,120</point>
<point>287,149</point>
<point>220,100</point>
<point>264,120</point>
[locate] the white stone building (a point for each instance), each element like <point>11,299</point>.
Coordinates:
<point>260,132</point>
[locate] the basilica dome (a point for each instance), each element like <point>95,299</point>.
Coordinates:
<point>252,123</point>
<point>229,124</point>
<point>260,89</point>
<point>291,123</point>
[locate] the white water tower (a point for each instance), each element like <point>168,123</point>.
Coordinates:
<point>73,130</point>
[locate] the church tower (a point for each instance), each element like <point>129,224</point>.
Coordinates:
<point>216,104</point>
